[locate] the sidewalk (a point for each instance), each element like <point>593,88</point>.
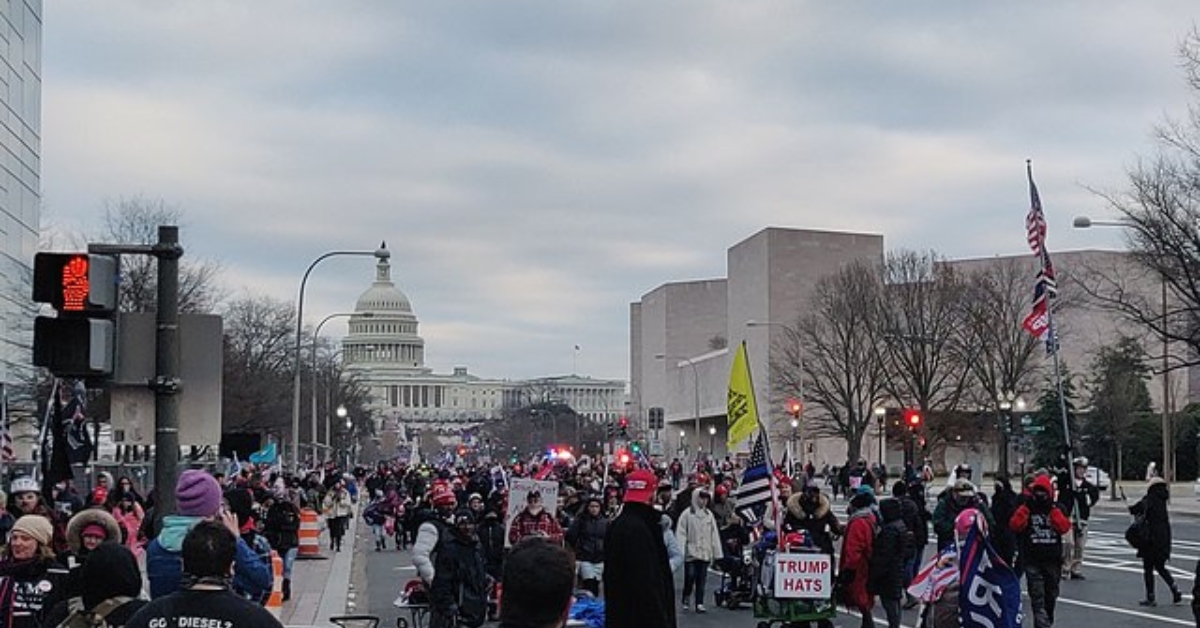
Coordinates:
<point>320,588</point>
<point>1184,501</point>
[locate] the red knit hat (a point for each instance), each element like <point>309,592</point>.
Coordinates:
<point>442,495</point>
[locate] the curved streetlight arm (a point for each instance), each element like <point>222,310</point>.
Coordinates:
<point>381,253</point>
<point>695,389</point>
<point>313,357</point>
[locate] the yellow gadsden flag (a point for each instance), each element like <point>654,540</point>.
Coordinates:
<point>740,407</point>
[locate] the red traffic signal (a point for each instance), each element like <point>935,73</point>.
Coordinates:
<point>912,418</point>
<point>794,407</point>
<point>623,422</point>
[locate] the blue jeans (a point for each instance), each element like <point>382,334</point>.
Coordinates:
<point>695,572</point>
<point>289,560</point>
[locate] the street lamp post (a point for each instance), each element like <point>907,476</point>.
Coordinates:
<point>382,254</point>
<point>313,356</point>
<point>1168,466</point>
<point>712,435</point>
<point>682,443</point>
<point>1005,401</point>
<point>342,413</point>
<point>880,419</point>
<point>792,458</point>
<point>695,392</point>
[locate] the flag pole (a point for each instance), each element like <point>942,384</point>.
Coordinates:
<point>762,429</point>
<point>1052,342</point>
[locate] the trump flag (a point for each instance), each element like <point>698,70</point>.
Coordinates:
<point>989,593</point>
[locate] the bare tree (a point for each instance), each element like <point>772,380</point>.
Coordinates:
<point>257,391</point>
<point>135,220</point>
<point>921,319</point>
<point>1161,207</point>
<point>840,371</point>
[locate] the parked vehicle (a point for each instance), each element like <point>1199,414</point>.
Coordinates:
<point>1098,477</point>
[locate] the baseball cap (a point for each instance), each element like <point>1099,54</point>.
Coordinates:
<point>640,486</point>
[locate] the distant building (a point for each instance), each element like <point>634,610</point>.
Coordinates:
<point>385,351</point>
<point>683,335</point>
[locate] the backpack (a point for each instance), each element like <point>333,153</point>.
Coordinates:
<point>96,617</point>
<point>1138,533</point>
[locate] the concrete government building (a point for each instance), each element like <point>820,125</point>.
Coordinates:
<point>384,349</point>
<point>683,335</point>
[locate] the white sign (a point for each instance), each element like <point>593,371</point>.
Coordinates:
<point>803,576</point>
<point>520,490</point>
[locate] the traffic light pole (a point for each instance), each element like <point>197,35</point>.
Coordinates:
<point>166,382</point>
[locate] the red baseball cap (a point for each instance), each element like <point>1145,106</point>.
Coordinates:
<point>640,486</point>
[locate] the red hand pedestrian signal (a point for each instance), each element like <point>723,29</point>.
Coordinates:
<point>912,418</point>
<point>794,407</point>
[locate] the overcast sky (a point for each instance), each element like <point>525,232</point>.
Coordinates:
<point>537,166</point>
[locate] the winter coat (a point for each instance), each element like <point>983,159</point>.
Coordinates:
<point>1154,507</point>
<point>337,504</point>
<point>821,524</point>
<point>1004,505</point>
<point>639,589</point>
<point>892,547</point>
<point>24,599</point>
<point>947,511</point>
<point>164,564</point>
<point>698,533</point>
<point>491,541</point>
<point>428,534</point>
<point>674,553</point>
<point>282,526</point>
<point>586,537</point>
<point>131,523</point>
<point>856,559</point>
<point>459,587</point>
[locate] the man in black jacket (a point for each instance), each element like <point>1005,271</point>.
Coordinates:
<point>458,594</point>
<point>638,587</point>
<point>1077,495</point>
<point>892,544</point>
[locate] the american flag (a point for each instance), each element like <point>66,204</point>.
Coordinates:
<point>6,442</point>
<point>933,580</point>
<point>1045,286</point>
<point>754,493</point>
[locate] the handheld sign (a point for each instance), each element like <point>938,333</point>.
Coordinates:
<point>803,576</point>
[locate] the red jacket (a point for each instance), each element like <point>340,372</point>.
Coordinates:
<point>525,524</point>
<point>856,556</point>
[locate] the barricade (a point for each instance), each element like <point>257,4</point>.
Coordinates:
<point>275,602</point>
<point>310,531</point>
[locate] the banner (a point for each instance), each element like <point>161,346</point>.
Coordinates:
<point>803,576</point>
<point>741,408</point>
<point>518,496</point>
<point>989,591</point>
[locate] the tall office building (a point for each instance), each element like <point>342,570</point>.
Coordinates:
<point>20,181</point>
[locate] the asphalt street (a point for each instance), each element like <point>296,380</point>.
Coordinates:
<point>1108,597</point>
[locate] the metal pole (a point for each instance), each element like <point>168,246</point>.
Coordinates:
<point>1168,434</point>
<point>382,253</point>
<point>166,382</point>
<point>696,392</point>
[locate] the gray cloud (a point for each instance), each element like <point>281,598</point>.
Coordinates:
<point>536,166</point>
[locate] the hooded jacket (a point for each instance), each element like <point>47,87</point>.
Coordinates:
<point>78,556</point>
<point>586,536</point>
<point>892,547</point>
<point>857,547</point>
<point>1154,507</point>
<point>698,533</point>
<point>111,571</point>
<point>821,523</point>
<point>164,562</point>
<point>1039,527</point>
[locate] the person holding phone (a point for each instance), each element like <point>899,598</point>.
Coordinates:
<point>198,498</point>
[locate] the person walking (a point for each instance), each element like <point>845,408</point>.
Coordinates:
<point>857,547</point>
<point>458,594</point>
<point>1077,496</point>
<point>701,542</point>
<point>338,507</point>
<point>893,546</point>
<point>586,538</point>
<point>282,529</point>
<point>638,588</point>
<point>1156,551</point>
<point>1040,524</point>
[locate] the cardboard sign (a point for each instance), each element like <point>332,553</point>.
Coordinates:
<point>803,576</point>
<point>521,488</point>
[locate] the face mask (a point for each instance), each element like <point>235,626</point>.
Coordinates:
<point>1041,497</point>
<point>808,507</point>
<point>964,499</point>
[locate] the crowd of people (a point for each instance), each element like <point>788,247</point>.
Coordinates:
<point>617,534</point>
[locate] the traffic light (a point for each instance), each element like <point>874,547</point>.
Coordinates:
<point>794,407</point>
<point>610,429</point>
<point>623,427</point>
<point>656,418</point>
<point>623,458</point>
<point>636,447</point>
<point>912,418</point>
<point>83,290</point>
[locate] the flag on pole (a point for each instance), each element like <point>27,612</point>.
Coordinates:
<point>1045,286</point>
<point>989,592</point>
<point>741,408</point>
<point>754,492</point>
<point>6,444</point>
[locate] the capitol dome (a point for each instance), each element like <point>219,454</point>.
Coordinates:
<point>383,331</point>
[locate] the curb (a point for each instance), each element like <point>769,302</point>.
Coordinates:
<point>337,588</point>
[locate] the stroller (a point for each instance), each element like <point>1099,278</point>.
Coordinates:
<point>736,587</point>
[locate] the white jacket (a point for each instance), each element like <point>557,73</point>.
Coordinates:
<point>338,504</point>
<point>427,538</point>
<point>698,534</point>
<point>674,554</point>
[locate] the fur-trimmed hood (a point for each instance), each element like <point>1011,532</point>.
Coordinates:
<point>87,517</point>
<point>822,509</point>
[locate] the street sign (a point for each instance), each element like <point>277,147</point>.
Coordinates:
<point>1035,429</point>
<point>1026,420</point>
<point>656,448</point>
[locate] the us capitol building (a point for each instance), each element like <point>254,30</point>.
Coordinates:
<point>384,350</point>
